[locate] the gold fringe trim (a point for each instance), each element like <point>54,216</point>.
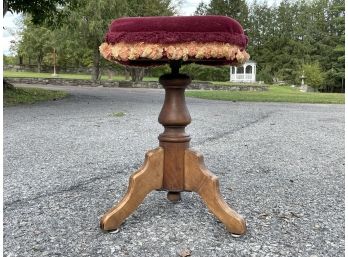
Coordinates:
<point>182,51</point>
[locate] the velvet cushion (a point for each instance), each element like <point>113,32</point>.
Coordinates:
<point>143,41</point>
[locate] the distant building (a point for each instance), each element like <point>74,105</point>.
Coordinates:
<point>245,73</point>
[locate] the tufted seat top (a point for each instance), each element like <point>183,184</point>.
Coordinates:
<point>143,41</point>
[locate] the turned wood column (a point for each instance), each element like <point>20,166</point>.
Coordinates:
<point>174,116</point>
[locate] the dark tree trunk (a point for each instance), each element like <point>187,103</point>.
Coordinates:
<point>20,60</point>
<point>5,8</point>
<point>126,73</point>
<point>39,62</point>
<point>38,66</point>
<point>96,64</point>
<point>136,73</point>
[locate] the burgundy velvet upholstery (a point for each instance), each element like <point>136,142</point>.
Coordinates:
<point>177,29</point>
<point>171,30</point>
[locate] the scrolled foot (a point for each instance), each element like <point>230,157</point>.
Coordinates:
<point>199,179</point>
<point>146,179</point>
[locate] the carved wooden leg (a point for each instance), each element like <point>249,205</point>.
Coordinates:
<point>148,178</point>
<point>199,179</point>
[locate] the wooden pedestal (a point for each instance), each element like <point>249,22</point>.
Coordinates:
<point>173,166</point>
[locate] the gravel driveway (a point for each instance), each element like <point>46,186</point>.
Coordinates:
<point>66,162</point>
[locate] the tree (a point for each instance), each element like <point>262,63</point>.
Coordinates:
<point>327,34</point>
<point>236,9</point>
<point>9,60</point>
<point>201,9</point>
<point>314,76</point>
<point>293,33</point>
<point>87,23</point>
<point>262,40</point>
<point>338,35</point>
<point>89,20</point>
<point>36,41</point>
<point>139,8</point>
<point>40,49</point>
<point>77,37</point>
<point>40,11</point>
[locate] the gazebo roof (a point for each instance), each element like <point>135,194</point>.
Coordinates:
<point>250,62</point>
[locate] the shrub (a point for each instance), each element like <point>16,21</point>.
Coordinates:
<point>314,76</point>
<point>207,73</point>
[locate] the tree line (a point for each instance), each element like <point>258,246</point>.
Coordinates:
<point>290,39</point>
<point>286,40</point>
<point>74,31</point>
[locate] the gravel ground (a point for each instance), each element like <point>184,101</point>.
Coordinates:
<point>66,162</point>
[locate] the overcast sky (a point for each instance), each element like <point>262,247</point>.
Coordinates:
<point>9,29</point>
<point>188,7</point>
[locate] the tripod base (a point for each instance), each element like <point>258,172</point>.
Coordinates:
<point>197,178</point>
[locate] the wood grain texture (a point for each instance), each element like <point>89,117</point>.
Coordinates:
<point>199,179</point>
<point>174,117</point>
<point>173,169</point>
<point>148,178</point>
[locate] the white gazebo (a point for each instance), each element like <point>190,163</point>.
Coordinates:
<point>245,73</point>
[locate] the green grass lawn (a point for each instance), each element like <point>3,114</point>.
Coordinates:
<point>30,95</point>
<point>274,94</point>
<point>229,83</point>
<point>26,74</point>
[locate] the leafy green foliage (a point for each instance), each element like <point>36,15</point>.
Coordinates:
<point>35,41</point>
<point>157,71</point>
<point>140,8</point>
<point>237,9</point>
<point>90,20</point>
<point>314,76</point>
<point>79,29</point>
<point>10,60</point>
<point>281,37</point>
<point>40,11</point>
<point>206,73</point>
<point>284,37</point>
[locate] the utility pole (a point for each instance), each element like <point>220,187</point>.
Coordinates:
<point>54,63</point>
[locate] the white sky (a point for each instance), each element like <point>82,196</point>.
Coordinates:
<point>9,31</point>
<point>188,7</point>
